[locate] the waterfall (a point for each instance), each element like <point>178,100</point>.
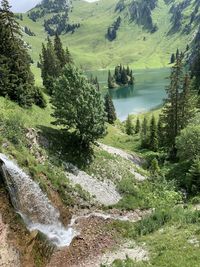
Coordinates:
<point>33,206</point>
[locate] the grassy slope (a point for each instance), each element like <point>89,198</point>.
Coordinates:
<point>92,50</point>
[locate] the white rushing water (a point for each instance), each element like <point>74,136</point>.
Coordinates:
<point>34,207</point>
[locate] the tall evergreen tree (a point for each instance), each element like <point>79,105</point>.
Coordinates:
<point>188,102</point>
<point>110,80</point>
<point>17,81</point>
<point>178,108</point>
<point>137,126</point>
<point>144,133</point>
<point>153,139</point>
<point>129,126</point>
<point>173,58</point>
<point>110,109</point>
<point>160,132</point>
<point>59,51</point>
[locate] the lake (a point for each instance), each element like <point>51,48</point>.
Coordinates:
<point>147,94</point>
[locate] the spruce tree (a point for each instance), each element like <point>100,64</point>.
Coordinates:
<point>171,112</point>
<point>173,58</point>
<point>153,139</point>
<point>144,133</point>
<point>129,126</point>
<point>138,126</point>
<point>17,81</point>
<point>59,51</point>
<point>160,133</point>
<point>188,102</point>
<point>110,109</point>
<point>110,80</point>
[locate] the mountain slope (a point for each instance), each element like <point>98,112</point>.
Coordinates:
<point>146,36</point>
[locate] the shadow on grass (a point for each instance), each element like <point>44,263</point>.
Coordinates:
<point>66,146</point>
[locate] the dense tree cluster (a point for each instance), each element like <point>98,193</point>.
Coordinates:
<point>52,60</point>
<point>112,30</point>
<point>59,24</point>
<point>28,31</point>
<point>16,81</point>
<point>122,76</point>
<point>141,13</point>
<point>95,82</point>
<point>179,105</point>
<point>49,6</point>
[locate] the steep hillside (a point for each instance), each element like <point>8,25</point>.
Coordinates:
<point>145,35</point>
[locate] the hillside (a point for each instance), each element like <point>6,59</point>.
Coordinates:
<point>146,37</point>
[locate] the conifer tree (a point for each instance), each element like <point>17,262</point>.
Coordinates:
<point>178,108</point>
<point>177,53</point>
<point>110,109</point>
<point>153,139</point>
<point>154,168</point>
<point>129,126</point>
<point>110,80</point>
<point>187,102</point>
<point>59,51</point>
<point>160,133</point>
<point>17,81</point>
<point>144,133</point>
<point>173,58</point>
<point>138,126</point>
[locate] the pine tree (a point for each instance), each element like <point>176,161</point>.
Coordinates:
<point>17,81</point>
<point>129,126</point>
<point>50,66</point>
<point>110,109</point>
<point>138,126</point>
<point>110,81</point>
<point>187,102</point>
<point>153,139</point>
<point>171,112</point>
<point>193,177</point>
<point>124,78</point>
<point>160,133</point>
<point>59,51</point>
<point>144,133</point>
<point>173,58</point>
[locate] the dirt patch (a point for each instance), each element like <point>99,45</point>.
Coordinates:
<point>9,256</point>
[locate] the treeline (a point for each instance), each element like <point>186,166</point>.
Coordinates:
<point>16,78</point>
<point>59,24</point>
<point>48,6</point>
<point>121,76</point>
<point>112,30</point>
<point>52,61</point>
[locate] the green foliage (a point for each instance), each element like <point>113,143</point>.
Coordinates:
<point>137,126</point>
<point>154,168</point>
<point>52,60</point>
<point>178,107</point>
<point>122,76</point>
<point>153,139</point>
<point>110,109</point>
<point>188,143</point>
<point>16,79</point>
<point>78,106</point>
<point>129,126</point>
<point>144,134</point>
<point>193,177</point>
<point>12,128</point>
